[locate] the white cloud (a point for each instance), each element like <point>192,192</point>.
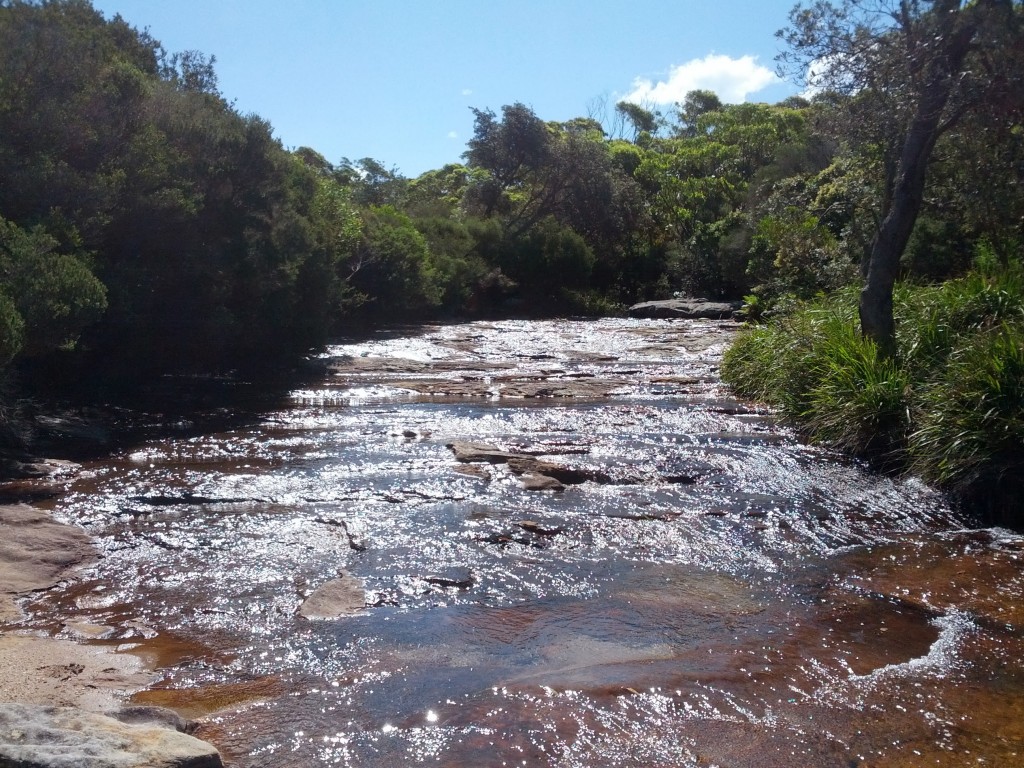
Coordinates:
<point>732,79</point>
<point>452,135</point>
<point>467,91</point>
<point>829,73</point>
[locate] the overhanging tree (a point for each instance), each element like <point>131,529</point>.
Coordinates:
<point>929,63</point>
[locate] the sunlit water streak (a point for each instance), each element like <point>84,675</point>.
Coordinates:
<point>729,597</point>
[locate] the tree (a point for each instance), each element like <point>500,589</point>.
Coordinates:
<point>930,61</point>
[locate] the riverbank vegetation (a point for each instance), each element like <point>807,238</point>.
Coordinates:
<point>149,228</point>
<point>948,406</point>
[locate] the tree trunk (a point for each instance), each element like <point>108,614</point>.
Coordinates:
<point>876,315</point>
<point>876,310</point>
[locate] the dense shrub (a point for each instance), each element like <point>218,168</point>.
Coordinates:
<point>949,407</point>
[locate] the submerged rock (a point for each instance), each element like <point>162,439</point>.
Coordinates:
<point>33,736</point>
<point>536,474</point>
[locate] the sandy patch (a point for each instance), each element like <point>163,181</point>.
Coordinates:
<point>40,670</point>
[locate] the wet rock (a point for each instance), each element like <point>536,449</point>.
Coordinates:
<point>33,736</point>
<point>685,309</point>
<point>535,527</point>
<point>187,499</point>
<point>469,452</point>
<point>534,482</point>
<point>746,438</point>
<point>42,468</point>
<point>968,573</point>
<point>679,479</point>
<point>87,631</point>
<point>339,597</point>
<point>458,578</point>
<point>154,715</point>
<point>567,388</point>
<point>536,474</point>
<point>523,465</point>
<point>36,552</point>
<point>474,470</point>
<point>69,429</point>
<point>29,490</point>
<point>354,542</point>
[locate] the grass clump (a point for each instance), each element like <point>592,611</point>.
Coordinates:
<point>949,407</point>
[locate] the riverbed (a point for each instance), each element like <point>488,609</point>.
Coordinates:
<point>632,569</point>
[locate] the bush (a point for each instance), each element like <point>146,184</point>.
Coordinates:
<point>949,408</point>
<point>814,366</point>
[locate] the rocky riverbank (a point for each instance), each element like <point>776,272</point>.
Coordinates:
<point>62,701</point>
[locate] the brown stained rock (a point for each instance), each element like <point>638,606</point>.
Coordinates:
<point>36,552</point>
<point>33,736</point>
<point>339,597</point>
<point>200,702</point>
<point>965,573</point>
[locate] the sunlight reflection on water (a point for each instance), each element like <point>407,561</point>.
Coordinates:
<point>721,596</point>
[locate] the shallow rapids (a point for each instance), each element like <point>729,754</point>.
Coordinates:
<point>703,590</point>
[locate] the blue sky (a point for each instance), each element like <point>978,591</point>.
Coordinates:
<point>395,79</point>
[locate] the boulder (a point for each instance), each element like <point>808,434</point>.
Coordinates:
<point>33,736</point>
<point>685,309</point>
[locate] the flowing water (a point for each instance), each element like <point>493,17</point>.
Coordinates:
<point>703,590</point>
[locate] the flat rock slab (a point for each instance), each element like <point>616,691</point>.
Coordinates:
<point>535,473</point>
<point>685,309</point>
<point>36,552</point>
<point>339,597</point>
<point>33,736</point>
<point>469,452</point>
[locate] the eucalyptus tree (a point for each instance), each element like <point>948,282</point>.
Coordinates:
<point>922,65</point>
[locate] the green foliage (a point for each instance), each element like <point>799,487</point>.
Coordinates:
<point>210,246</point>
<point>949,407</point>
<point>393,268</point>
<point>166,231</point>
<point>48,297</point>
<point>12,330</point>
<point>970,416</point>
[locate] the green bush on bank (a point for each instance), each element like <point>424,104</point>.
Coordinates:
<point>949,408</point>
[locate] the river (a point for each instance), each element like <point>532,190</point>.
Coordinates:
<point>701,589</point>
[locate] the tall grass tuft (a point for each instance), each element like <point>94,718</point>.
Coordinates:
<point>970,417</point>
<point>949,408</point>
